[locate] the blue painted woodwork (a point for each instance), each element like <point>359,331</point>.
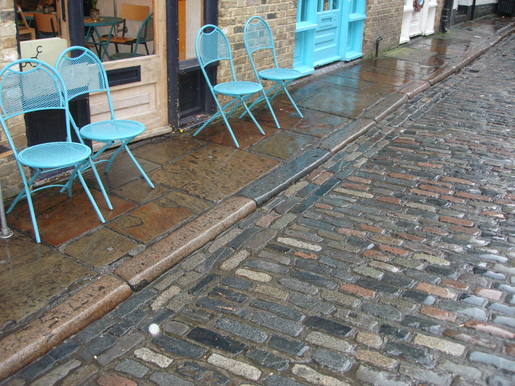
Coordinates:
<point>328,31</point>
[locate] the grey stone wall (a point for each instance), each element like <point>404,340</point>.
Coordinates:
<point>9,176</point>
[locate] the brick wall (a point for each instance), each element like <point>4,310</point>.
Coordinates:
<point>9,176</point>
<point>384,19</point>
<point>280,15</point>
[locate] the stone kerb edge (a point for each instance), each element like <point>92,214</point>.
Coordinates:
<point>41,335</point>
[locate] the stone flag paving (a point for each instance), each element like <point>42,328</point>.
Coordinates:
<point>390,264</point>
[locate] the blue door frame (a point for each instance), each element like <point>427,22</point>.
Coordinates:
<point>328,31</point>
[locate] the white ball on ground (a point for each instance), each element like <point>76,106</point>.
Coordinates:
<point>154,329</point>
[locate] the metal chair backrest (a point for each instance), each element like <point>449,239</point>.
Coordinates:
<point>46,23</point>
<point>257,36</point>
<point>134,12</point>
<point>145,34</point>
<point>29,85</point>
<point>83,73</point>
<point>146,30</point>
<point>211,46</point>
<point>23,25</point>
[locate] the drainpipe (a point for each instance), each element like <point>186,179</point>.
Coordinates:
<point>445,22</point>
<point>5,231</point>
<point>377,45</point>
<point>473,10</point>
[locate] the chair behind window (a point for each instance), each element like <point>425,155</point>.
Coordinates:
<point>46,25</point>
<point>23,27</point>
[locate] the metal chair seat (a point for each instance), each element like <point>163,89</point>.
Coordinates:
<point>107,131</point>
<point>280,74</point>
<point>145,35</point>
<point>54,155</point>
<point>236,89</point>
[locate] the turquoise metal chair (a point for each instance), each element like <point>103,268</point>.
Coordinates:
<point>83,73</point>
<point>212,47</point>
<point>26,86</point>
<point>145,35</point>
<point>257,36</point>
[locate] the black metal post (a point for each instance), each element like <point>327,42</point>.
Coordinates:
<point>445,22</point>
<point>76,23</point>
<point>473,10</point>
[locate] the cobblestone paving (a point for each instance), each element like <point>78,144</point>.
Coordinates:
<point>392,264</point>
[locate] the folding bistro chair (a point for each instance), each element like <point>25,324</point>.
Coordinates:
<point>46,25</point>
<point>132,12</point>
<point>144,36</point>
<point>212,46</point>
<point>29,85</point>
<point>83,73</point>
<point>23,26</point>
<point>257,36</point>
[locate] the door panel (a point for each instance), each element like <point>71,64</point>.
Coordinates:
<point>328,32</point>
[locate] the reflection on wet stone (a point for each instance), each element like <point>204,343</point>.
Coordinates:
<point>215,340</point>
<point>200,373</point>
<point>327,325</point>
<point>228,294</point>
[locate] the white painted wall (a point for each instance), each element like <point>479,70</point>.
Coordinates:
<point>469,3</point>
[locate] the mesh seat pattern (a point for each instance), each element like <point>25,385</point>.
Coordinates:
<point>44,155</point>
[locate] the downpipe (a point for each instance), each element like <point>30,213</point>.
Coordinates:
<point>377,45</point>
<point>446,16</point>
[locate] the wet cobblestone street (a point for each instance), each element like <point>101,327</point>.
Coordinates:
<point>390,264</point>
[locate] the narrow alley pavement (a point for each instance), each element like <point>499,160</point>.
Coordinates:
<point>390,264</point>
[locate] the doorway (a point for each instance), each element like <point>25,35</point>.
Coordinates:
<point>418,19</point>
<point>328,31</point>
<point>190,95</point>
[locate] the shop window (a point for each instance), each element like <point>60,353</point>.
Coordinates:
<point>191,15</point>
<point>122,20</point>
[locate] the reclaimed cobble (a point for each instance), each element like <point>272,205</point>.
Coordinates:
<point>390,263</point>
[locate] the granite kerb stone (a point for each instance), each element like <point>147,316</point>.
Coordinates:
<point>385,107</point>
<point>285,175</point>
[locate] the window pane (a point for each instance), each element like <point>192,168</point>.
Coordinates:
<point>190,20</point>
<point>303,11</point>
<point>131,30</point>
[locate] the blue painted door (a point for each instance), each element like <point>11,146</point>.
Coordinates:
<point>328,32</point>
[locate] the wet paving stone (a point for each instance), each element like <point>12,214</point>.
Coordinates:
<point>267,359</point>
<point>289,346</point>
<point>178,346</point>
<point>203,374</point>
<point>331,360</point>
<point>213,339</point>
<point>327,325</point>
